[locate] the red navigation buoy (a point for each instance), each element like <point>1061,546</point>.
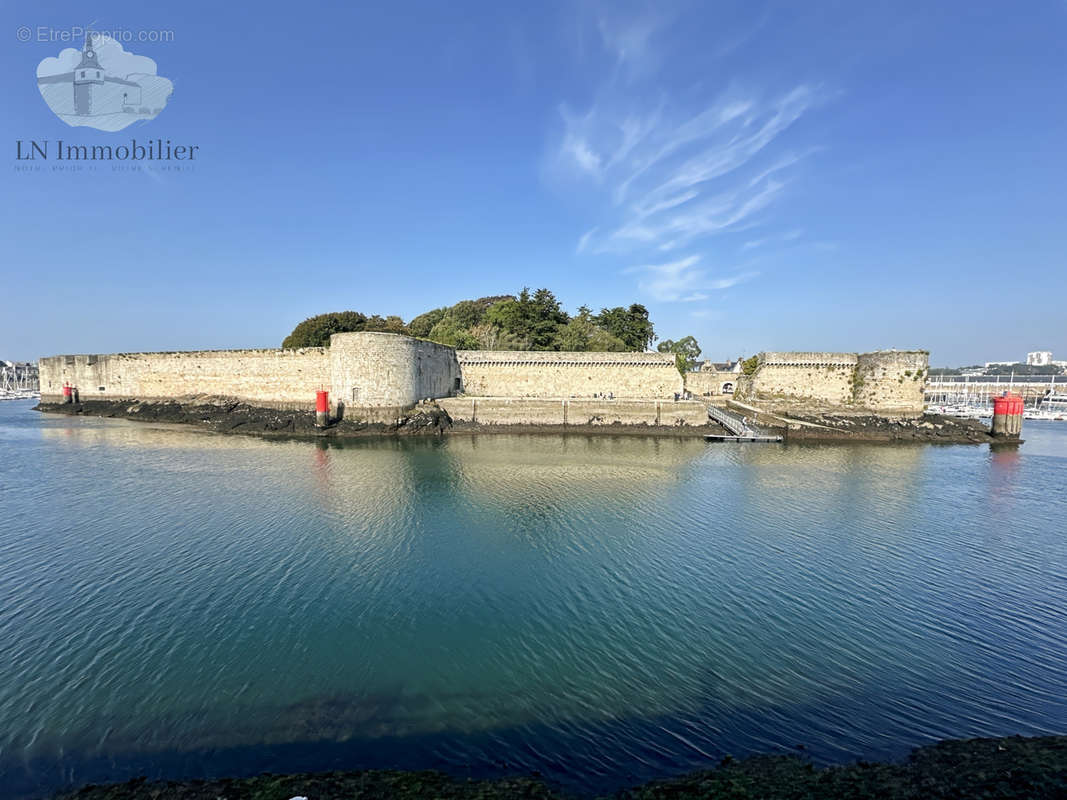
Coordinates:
<point>322,408</point>
<point>68,393</point>
<point>1007,415</point>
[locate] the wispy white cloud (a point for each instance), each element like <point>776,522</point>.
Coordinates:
<point>584,240</point>
<point>578,150</point>
<point>682,280</point>
<point>784,238</point>
<point>671,183</point>
<point>628,37</point>
<point>737,39</point>
<point>674,174</point>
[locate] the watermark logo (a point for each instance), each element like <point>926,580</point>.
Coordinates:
<point>102,86</point>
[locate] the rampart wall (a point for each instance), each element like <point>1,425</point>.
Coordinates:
<point>375,375</point>
<point>821,377</point>
<point>884,382</point>
<point>489,373</point>
<point>269,378</point>
<point>889,380</point>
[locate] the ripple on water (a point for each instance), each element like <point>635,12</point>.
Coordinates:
<point>601,610</point>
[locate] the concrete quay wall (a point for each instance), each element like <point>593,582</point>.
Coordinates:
<point>567,411</point>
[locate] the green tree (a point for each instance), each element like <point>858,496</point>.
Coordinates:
<point>749,365</point>
<point>581,333</point>
<point>509,316</point>
<point>390,324</point>
<point>631,325</point>
<point>316,331</point>
<point>491,337</point>
<point>447,332</point>
<point>533,320</point>
<point>686,352</point>
<point>529,321</point>
<point>421,325</point>
<point>1023,369</point>
<point>547,318</point>
<point>467,313</point>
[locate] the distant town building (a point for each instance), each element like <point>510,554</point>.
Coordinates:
<point>1039,358</point>
<point>722,366</point>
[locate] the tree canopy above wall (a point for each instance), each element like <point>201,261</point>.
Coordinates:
<point>528,321</point>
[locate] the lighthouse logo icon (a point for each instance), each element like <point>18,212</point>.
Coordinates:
<point>102,85</point>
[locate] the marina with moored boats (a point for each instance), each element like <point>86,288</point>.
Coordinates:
<point>1044,397</point>
<point>18,381</point>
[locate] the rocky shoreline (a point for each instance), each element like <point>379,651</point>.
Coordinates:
<point>226,416</point>
<point>220,415</point>
<point>1013,767</point>
<point>928,428</point>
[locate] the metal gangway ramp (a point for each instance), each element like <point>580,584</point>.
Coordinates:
<point>740,430</point>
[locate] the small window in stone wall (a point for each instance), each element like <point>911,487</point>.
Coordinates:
<point>355,394</point>
<point>101,388</point>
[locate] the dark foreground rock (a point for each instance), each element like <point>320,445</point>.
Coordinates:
<point>1016,767</point>
<point>928,428</point>
<point>226,416</point>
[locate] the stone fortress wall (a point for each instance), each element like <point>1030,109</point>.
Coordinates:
<point>376,375</point>
<point>270,378</point>
<point>884,382</point>
<point>710,382</point>
<point>892,379</point>
<point>509,373</point>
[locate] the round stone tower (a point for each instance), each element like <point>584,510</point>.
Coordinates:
<point>377,375</point>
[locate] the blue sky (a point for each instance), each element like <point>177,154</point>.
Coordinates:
<point>823,175</point>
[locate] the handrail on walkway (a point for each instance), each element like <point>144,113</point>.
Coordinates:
<point>734,424</point>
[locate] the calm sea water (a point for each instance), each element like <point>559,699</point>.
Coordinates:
<point>602,610</point>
